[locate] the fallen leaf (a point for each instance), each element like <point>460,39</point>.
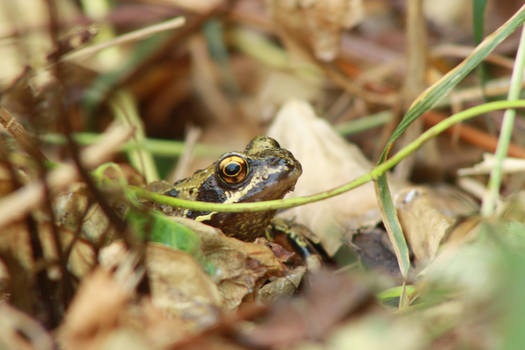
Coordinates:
<point>426,214</point>
<point>281,286</point>
<point>329,298</point>
<point>328,161</point>
<point>240,268</point>
<point>317,22</point>
<point>19,331</point>
<point>180,286</point>
<point>377,332</point>
<point>95,311</point>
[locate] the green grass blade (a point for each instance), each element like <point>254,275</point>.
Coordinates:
<point>393,227</point>
<point>424,102</point>
<point>478,9</point>
<point>478,24</point>
<point>125,110</point>
<point>491,197</point>
<point>433,94</point>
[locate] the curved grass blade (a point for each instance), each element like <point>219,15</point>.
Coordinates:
<point>433,94</point>
<point>392,225</point>
<point>491,196</point>
<point>424,102</point>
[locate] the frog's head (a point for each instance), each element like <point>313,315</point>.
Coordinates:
<point>263,171</point>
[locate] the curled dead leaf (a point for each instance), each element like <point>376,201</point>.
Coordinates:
<point>15,240</point>
<point>317,22</point>
<point>427,213</point>
<point>95,311</point>
<point>19,331</point>
<point>328,299</point>
<point>180,286</point>
<point>328,161</point>
<point>240,268</point>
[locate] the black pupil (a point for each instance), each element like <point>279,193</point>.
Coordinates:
<point>232,169</point>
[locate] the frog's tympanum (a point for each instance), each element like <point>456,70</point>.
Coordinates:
<point>264,171</point>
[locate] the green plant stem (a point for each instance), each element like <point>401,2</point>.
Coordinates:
<point>125,110</point>
<point>372,175</point>
<point>364,123</point>
<point>491,197</point>
<point>158,147</point>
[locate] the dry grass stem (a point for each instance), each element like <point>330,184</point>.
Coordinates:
<point>183,163</point>
<point>22,201</point>
<point>17,130</point>
<point>125,38</point>
<point>462,51</point>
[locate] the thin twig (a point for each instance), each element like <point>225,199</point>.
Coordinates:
<point>125,38</point>
<point>182,167</point>
<point>17,130</point>
<point>473,135</point>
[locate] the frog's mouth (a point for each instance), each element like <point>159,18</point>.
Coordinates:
<point>278,185</point>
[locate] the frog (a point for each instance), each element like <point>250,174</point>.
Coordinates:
<point>263,171</point>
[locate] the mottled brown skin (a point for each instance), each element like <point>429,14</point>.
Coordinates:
<point>271,172</point>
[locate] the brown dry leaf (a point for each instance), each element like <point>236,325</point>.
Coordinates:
<point>278,87</point>
<point>180,286</point>
<point>74,207</point>
<point>19,331</point>
<point>329,299</point>
<point>199,6</point>
<point>70,206</point>
<point>281,286</point>
<point>375,251</point>
<point>71,211</point>
<point>464,262</point>
<point>240,267</point>
<point>104,314</point>
<point>15,239</point>
<point>426,214</point>
<point>514,208</point>
<point>317,22</point>
<point>378,331</point>
<point>6,184</point>
<point>96,310</point>
<point>328,161</point>
<point>18,16</point>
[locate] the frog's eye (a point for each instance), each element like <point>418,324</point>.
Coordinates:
<point>233,169</point>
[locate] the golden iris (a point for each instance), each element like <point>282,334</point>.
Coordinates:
<point>233,169</point>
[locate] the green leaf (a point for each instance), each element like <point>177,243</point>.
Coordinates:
<point>157,227</point>
<point>395,292</point>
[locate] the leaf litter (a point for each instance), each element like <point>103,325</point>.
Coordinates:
<point>73,276</point>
